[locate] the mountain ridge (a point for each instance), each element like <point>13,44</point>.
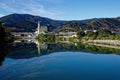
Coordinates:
<point>28,22</point>
<point>22,20</point>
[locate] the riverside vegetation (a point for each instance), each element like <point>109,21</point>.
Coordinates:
<point>5,35</point>
<point>5,39</point>
<point>103,34</point>
<point>98,35</point>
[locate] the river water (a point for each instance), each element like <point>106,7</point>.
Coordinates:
<point>58,61</point>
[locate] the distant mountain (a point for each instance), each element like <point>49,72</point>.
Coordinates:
<point>118,18</point>
<point>95,24</point>
<point>26,22</point>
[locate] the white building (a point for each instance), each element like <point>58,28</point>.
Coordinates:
<point>41,29</point>
<point>67,34</point>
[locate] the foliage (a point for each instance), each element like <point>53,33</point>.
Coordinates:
<point>117,37</point>
<point>2,32</point>
<point>5,34</point>
<point>4,44</point>
<point>46,38</point>
<point>41,38</point>
<point>51,38</point>
<point>80,34</point>
<point>103,34</point>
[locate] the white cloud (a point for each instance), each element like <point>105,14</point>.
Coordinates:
<point>6,7</point>
<point>53,1</point>
<point>1,15</point>
<point>30,7</point>
<point>38,9</point>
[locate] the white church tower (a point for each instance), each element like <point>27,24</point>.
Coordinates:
<point>38,29</point>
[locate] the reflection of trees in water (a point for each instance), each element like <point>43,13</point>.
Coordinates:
<point>61,47</point>
<point>25,50</point>
<point>91,48</point>
<point>5,38</point>
<point>4,48</point>
<point>102,50</point>
<point>30,50</point>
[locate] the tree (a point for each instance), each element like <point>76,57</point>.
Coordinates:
<point>51,38</point>
<point>80,34</point>
<point>90,33</point>
<point>42,38</point>
<point>2,32</point>
<point>105,34</point>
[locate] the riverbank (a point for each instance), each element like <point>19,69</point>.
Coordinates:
<point>105,42</point>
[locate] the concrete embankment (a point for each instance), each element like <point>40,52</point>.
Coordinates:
<point>106,42</point>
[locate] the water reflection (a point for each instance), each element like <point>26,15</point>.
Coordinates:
<point>4,49</point>
<point>25,49</point>
<point>29,49</point>
<point>24,60</point>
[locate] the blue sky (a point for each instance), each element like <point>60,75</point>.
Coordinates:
<point>62,9</point>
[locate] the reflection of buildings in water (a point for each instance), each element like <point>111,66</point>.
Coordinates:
<point>38,45</point>
<point>38,48</point>
<point>41,46</point>
<point>26,49</point>
<point>32,48</point>
<point>17,42</point>
<point>75,44</point>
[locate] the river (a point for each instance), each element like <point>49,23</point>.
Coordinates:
<point>28,60</point>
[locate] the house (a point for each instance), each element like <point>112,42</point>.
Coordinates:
<point>66,34</point>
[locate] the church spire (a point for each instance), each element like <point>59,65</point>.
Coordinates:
<point>38,27</point>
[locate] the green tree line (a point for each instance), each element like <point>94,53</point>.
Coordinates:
<point>46,38</point>
<point>5,35</point>
<point>97,35</point>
